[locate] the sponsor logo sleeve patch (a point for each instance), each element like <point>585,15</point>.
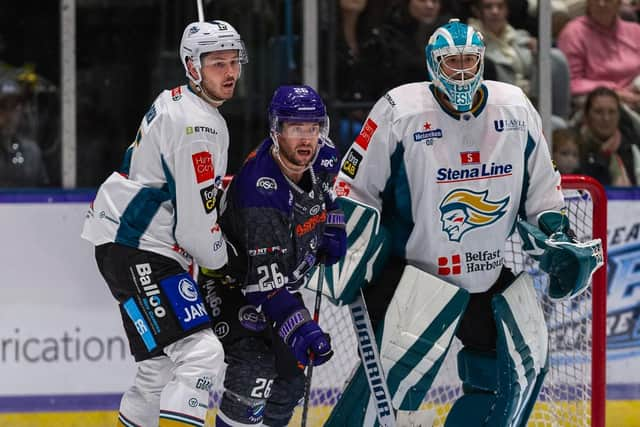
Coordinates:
<point>203,166</point>
<point>208,196</point>
<point>351,163</point>
<point>364,138</point>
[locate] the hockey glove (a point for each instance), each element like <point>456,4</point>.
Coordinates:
<point>334,239</point>
<point>297,329</point>
<point>569,263</point>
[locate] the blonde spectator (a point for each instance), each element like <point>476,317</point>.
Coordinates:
<point>603,50</point>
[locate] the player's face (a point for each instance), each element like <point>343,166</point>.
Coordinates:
<point>603,116</point>
<point>461,67</point>
<point>299,142</point>
<point>220,72</point>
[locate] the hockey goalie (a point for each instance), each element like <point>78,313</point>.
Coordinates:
<point>441,175</point>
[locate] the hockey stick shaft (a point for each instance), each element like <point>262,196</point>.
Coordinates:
<point>316,318</point>
<point>371,362</point>
<point>200,10</point>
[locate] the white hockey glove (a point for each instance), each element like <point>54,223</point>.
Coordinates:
<point>569,263</point>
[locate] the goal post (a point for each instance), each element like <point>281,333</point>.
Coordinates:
<point>599,294</point>
<point>574,390</point>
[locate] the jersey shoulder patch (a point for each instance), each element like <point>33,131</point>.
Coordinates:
<point>261,184</point>
<point>327,159</point>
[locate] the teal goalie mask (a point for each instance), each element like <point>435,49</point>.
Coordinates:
<point>455,60</point>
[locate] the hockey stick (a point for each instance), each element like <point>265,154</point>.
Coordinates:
<point>316,317</point>
<point>372,365</point>
<point>371,361</point>
<point>200,10</point>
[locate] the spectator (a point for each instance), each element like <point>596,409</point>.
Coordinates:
<point>602,50</point>
<point>353,77</point>
<point>611,153</point>
<point>510,50</point>
<point>396,48</point>
<point>566,150</point>
<point>522,13</point>
<point>21,163</point>
<point>630,10</point>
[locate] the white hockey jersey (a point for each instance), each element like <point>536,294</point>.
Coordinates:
<point>163,199</point>
<point>451,186</point>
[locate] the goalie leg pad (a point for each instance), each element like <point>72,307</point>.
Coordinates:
<point>521,363</point>
<point>523,347</point>
<point>413,340</point>
<point>478,372</point>
<point>368,249</point>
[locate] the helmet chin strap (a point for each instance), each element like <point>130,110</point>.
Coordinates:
<point>200,89</point>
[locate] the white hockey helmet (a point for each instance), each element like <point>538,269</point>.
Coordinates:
<point>204,37</point>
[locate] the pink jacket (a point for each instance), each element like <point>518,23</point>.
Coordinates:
<point>600,56</point>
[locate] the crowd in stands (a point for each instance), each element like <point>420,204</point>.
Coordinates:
<point>595,68</point>
<point>379,44</point>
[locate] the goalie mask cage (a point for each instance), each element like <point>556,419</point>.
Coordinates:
<point>573,393</point>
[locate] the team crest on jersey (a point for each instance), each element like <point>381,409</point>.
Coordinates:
<point>266,185</point>
<point>464,210</point>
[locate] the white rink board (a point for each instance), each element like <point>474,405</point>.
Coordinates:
<point>60,328</point>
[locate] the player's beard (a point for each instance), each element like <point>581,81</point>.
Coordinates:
<point>292,157</point>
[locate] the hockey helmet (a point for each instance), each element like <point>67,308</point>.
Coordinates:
<point>456,39</point>
<point>204,37</point>
<point>297,104</point>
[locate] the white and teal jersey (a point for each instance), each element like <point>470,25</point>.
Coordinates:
<point>450,186</point>
<point>163,198</point>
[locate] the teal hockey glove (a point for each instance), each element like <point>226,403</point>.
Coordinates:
<point>570,264</point>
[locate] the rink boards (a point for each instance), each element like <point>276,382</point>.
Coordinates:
<point>63,356</point>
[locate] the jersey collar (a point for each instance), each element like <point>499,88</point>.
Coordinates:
<point>476,110</point>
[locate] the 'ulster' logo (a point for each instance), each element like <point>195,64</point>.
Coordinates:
<point>464,210</point>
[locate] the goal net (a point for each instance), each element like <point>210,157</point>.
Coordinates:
<point>573,392</point>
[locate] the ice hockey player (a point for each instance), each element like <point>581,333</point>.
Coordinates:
<point>454,166</point>
<point>151,220</point>
<point>280,220</point>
